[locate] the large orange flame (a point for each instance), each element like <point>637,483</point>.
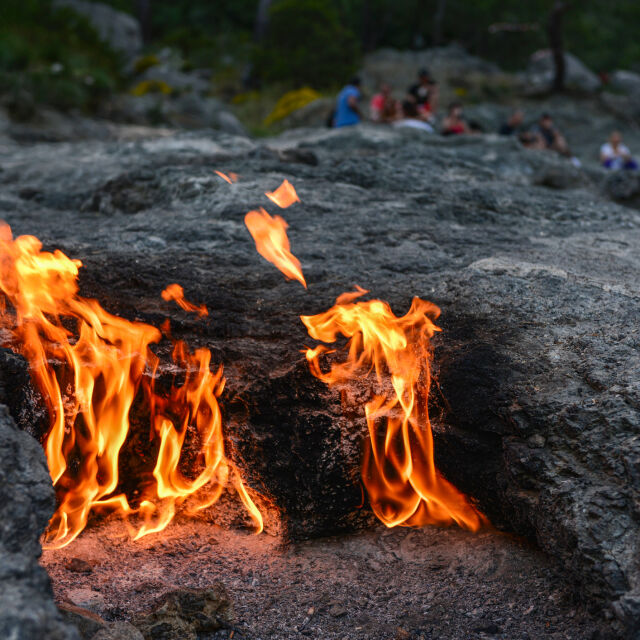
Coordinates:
<point>176,293</point>
<point>398,468</point>
<point>90,378</point>
<point>272,243</point>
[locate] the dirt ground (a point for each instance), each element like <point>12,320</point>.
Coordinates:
<point>391,584</point>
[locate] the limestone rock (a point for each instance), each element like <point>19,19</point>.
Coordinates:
<point>27,610</point>
<point>540,73</point>
<point>119,30</point>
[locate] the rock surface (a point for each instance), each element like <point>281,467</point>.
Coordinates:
<point>27,610</point>
<point>540,73</point>
<point>119,30</point>
<point>538,410</point>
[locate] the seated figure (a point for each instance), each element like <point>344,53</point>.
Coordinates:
<point>616,155</point>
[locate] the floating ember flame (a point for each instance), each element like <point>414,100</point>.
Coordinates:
<point>90,378</point>
<point>230,177</point>
<point>176,293</point>
<point>272,243</point>
<point>284,196</point>
<point>398,468</point>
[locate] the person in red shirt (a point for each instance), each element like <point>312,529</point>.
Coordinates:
<point>454,124</point>
<point>383,107</point>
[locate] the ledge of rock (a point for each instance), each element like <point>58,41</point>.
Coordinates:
<point>536,410</point>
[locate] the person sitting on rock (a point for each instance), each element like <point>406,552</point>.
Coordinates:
<point>548,137</point>
<point>615,155</point>
<point>347,111</point>
<point>513,125</point>
<point>411,118</point>
<point>454,124</point>
<point>383,107</point>
<point>425,95</point>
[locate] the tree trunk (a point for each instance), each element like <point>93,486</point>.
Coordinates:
<point>262,20</point>
<point>143,10</point>
<point>556,43</point>
<point>438,22</point>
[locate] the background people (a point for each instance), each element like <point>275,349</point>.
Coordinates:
<point>347,109</point>
<point>384,107</point>
<point>615,155</point>
<point>454,123</point>
<point>411,118</point>
<point>425,95</point>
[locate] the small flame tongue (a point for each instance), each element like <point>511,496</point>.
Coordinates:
<point>270,233</point>
<point>398,468</point>
<point>99,370</point>
<point>176,293</point>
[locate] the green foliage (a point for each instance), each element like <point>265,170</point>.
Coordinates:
<point>145,62</point>
<point>54,55</point>
<point>306,44</point>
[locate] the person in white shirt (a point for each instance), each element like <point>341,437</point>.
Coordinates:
<point>616,155</point>
<point>411,118</point>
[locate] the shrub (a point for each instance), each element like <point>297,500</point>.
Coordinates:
<point>290,102</point>
<point>306,44</point>
<point>151,86</point>
<point>145,62</point>
<point>54,55</point>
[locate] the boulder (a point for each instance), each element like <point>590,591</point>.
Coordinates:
<point>400,68</point>
<point>183,111</point>
<point>540,73</point>
<point>27,610</point>
<point>626,81</point>
<point>535,413</point>
<point>119,30</point>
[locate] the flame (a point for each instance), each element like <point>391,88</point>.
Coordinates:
<point>176,293</point>
<point>272,243</point>
<point>90,378</point>
<point>230,177</point>
<point>398,468</point>
<point>284,196</point>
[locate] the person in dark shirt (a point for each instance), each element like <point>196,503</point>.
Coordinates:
<point>513,124</point>
<point>425,95</point>
<point>548,137</point>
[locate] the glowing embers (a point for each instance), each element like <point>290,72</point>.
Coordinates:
<point>398,468</point>
<point>92,369</point>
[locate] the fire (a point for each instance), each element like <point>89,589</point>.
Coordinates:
<point>272,243</point>
<point>284,196</point>
<point>230,177</point>
<point>176,293</point>
<point>90,377</point>
<point>398,468</point>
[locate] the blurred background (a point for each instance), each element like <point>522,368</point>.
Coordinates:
<point>259,65</point>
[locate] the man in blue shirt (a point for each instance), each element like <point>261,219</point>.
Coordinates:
<point>347,111</point>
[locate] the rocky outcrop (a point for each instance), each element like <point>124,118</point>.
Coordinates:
<point>27,610</point>
<point>119,30</point>
<point>537,406</point>
<point>540,73</point>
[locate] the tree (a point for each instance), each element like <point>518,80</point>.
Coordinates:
<point>143,11</point>
<point>262,20</point>
<point>438,21</point>
<point>556,42</point>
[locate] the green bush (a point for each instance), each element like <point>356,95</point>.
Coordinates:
<point>55,56</point>
<point>306,45</point>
